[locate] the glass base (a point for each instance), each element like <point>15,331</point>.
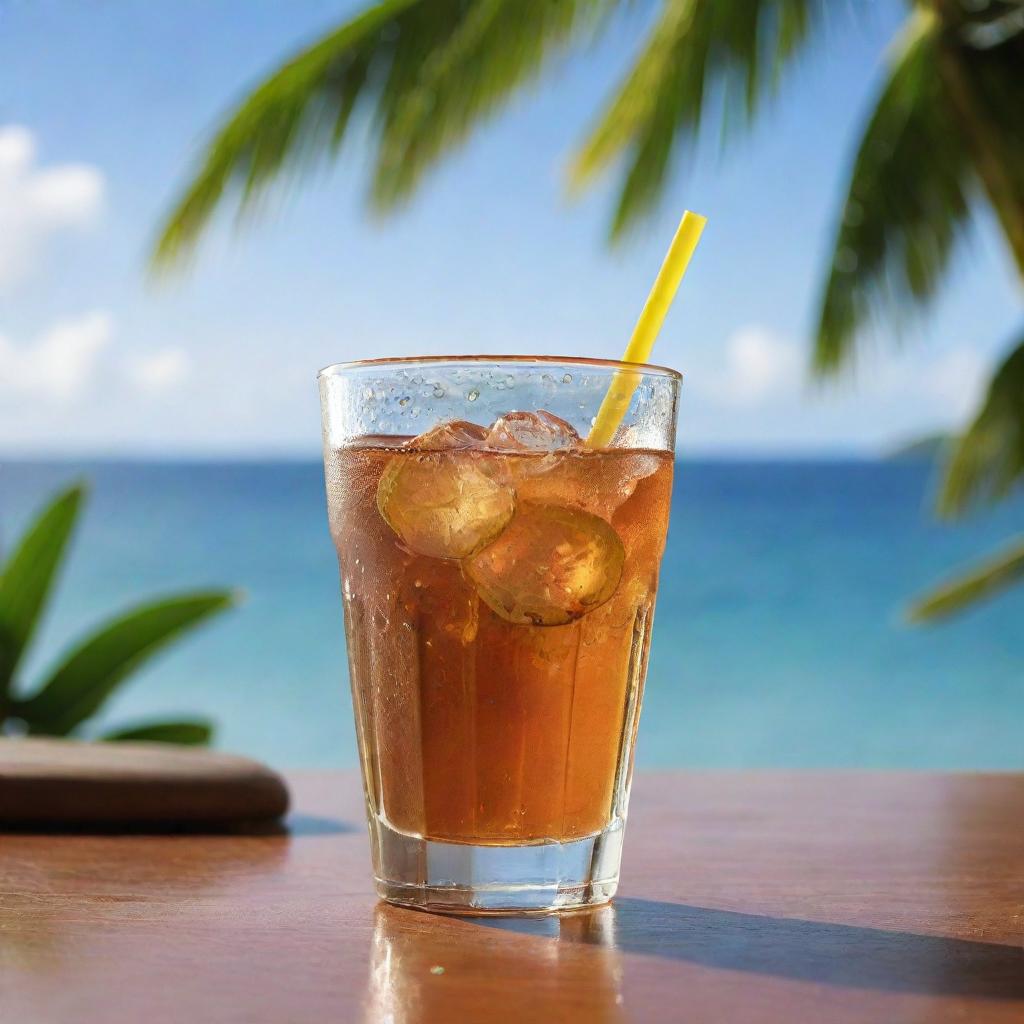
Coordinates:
<point>461,878</point>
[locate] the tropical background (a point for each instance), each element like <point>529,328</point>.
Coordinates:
<point>201,204</point>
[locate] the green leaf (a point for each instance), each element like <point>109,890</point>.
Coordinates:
<point>723,58</point>
<point>467,75</point>
<point>981,62</point>
<point>985,581</point>
<point>988,461</point>
<point>28,575</point>
<point>92,671</point>
<point>948,121</point>
<point>907,199</point>
<point>432,69</point>
<point>191,733</point>
<point>299,113</point>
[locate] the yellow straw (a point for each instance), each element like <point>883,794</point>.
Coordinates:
<point>624,382</point>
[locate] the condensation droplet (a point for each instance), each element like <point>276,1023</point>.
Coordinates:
<point>438,392</point>
<point>473,395</point>
<point>566,378</point>
<point>404,401</point>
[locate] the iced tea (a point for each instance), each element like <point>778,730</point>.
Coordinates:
<point>498,579</point>
<point>499,585</point>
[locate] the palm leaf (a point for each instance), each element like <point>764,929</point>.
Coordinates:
<point>191,733</point>
<point>907,199</point>
<point>988,461</point>
<point>300,112</point>
<point>497,46</point>
<point>985,581</point>
<point>433,69</point>
<point>948,119</point>
<point>92,671</point>
<point>981,60</point>
<point>723,57</point>
<point>28,576</point>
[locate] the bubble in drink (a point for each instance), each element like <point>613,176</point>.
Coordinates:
<point>549,566</point>
<point>440,502</point>
<point>539,431</point>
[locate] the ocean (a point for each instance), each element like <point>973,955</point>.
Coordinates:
<point>778,637</point>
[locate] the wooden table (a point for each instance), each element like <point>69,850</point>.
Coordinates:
<point>746,897</point>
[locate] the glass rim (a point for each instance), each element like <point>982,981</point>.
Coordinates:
<point>650,369</point>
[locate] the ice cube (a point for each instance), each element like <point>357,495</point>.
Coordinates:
<point>450,434</point>
<point>598,481</point>
<point>438,498</point>
<point>549,566</point>
<point>644,460</point>
<point>534,431</point>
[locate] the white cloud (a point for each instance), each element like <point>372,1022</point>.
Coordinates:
<point>36,202</point>
<point>759,367</point>
<point>161,371</point>
<point>946,385</point>
<point>60,364</point>
<point>17,148</point>
<point>754,392</point>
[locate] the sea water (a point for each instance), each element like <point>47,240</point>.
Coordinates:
<point>778,638</point>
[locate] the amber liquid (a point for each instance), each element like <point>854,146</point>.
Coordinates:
<point>479,730</point>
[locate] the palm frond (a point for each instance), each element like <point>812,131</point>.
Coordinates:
<point>985,581</point>
<point>300,112</point>
<point>724,56</point>
<point>192,732</point>
<point>988,461</point>
<point>27,577</point>
<point>431,69</point>
<point>497,46</point>
<point>93,670</point>
<point>981,60</point>
<point>907,199</point>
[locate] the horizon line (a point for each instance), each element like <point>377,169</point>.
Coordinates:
<point>267,456</point>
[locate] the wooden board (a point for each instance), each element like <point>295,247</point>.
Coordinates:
<point>63,782</point>
<point>746,899</point>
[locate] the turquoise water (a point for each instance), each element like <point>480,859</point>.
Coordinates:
<point>777,637</point>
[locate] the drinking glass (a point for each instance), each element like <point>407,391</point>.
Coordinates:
<point>498,580</point>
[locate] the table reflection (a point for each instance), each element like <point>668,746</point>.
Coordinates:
<point>426,968</point>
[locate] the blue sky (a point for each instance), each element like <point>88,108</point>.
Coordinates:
<point>104,106</point>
